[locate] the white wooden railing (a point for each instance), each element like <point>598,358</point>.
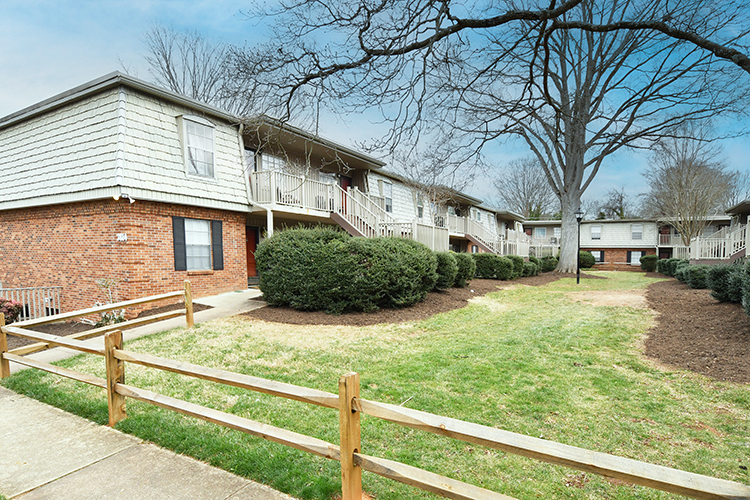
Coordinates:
<point>291,190</point>
<point>670,240</point>
<point>37,302</point>
<point>719,248</point>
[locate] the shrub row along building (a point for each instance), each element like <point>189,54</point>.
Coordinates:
<point>123,180</point>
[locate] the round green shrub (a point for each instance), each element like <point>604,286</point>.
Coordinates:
<point>648,263</point>
<point>661,266</point>
<point>326,269</point>
<point>681,272</point>
<point>447,269</point>
<point>534,260</point>
<point>725,282</point>
<point>549,263</point>
<point>518,263</point>
<point>530,269</point>
<point>467,268</point>
<point>672,265</point>
<point>586,259</point>
<point>491,266</point>
<point>696,276</point>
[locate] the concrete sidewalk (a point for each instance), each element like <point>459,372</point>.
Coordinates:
<point>47,453</point>
<point>226,304</point>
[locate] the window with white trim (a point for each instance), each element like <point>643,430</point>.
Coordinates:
<point>557,232</point>
<point>272,163</point>
<point>198,244</point>
<point>540,233</point>
<point>635,258</point>
<point>420,205</point>
<point>596,232</point>
<point>598,256</point>
<point>388,195</point>
<point>636,231</point>
<point>198,145</point>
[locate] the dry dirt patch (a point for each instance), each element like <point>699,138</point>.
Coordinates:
<point>617,298</point>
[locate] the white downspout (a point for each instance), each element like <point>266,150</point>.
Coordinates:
<point>248,190</point>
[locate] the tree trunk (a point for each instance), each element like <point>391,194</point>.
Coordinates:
<point>569,233</point>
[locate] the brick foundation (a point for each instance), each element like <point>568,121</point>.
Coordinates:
<point>616,259</point>
<point>75,244</point>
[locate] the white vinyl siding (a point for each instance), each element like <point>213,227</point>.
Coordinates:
<point>198,244</point>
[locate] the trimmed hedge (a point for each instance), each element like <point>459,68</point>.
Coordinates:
<point>671,265</point>
<point>586,259</point>
<point>491,266</point>
<point>681,270</point>
<point>661,266</point>
<point>518,263</point>
<point>696,275</point>
<point>467,268</point>
<point>648,263</point>
<point>447,269</point>
<point>326,269</point>
<point>746,287</point>
<point>530,269</point>
<point>725,282</point>
<point>548,263</point>
<point>534,260</point>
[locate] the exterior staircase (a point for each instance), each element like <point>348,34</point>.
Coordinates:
<point>728,245</point>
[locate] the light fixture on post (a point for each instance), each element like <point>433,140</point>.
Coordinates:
<point>579,217</point>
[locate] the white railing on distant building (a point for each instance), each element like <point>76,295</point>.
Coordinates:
<point>36,302</point>
<point>719,248</point>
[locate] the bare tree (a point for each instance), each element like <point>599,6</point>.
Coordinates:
<point>522,187</point>
<point>687,183</point>
<point>576,81</point>
<point>615,205</point>
<point>196,67</point>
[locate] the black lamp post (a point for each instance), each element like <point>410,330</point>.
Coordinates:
<point>579,218</point>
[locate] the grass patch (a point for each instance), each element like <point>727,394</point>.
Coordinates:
<point>525,359</point>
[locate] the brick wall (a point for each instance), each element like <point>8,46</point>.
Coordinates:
<point>75,244</point>
<point>617,258</point>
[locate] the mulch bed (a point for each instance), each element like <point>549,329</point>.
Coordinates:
<point>436,302</point>
<point>695,332</point>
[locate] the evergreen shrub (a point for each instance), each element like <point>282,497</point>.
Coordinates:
<point>682,273</point>
<point>648,263</point>
<point>326,269</point>
<point>518,263</point>
<point>467,268</point>
<point>534,260</point>
<point>491,266</point>
<point>530,269</point>
<point>661,266</point>
<point>447,269</point>
<point>586,259</point>
<point>549,263</point>
<point>696,275</point>
<point>725,282</point>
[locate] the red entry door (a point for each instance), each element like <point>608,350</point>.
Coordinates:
<point>251,240</point>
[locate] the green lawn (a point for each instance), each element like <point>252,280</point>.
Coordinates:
<point>527,359</point>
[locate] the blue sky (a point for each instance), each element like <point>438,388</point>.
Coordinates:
<point>51,46</point>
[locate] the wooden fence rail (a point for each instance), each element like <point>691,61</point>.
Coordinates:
<point>350,406</point>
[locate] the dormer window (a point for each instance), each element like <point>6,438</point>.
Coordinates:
<point>197,145</point>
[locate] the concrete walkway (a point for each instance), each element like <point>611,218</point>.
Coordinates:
<point>226,304</point>
<point>49,454</point>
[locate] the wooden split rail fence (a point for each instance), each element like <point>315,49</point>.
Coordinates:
<point>350,407</point>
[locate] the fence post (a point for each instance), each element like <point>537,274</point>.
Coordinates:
<point>115,375</point>
<point>4,363</point>
<point>351,475</point>
<point>188,305</point>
